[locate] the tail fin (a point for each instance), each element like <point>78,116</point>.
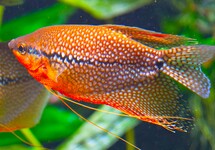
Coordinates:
<point>183,64</point>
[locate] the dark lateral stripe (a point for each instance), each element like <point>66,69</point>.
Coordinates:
<point>6,80</point>
<point>51,56</point>
<point>77,61</point>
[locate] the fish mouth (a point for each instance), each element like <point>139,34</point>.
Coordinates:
<point>11,44</point>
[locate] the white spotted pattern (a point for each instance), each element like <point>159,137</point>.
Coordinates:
<point>107,65</point>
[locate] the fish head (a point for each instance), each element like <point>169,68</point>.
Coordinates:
<point>30,50</point>
<point>27,50</point>
<point>27,54</point>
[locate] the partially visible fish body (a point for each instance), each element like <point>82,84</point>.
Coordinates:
<point>22,99</point>
<point>118,66</point>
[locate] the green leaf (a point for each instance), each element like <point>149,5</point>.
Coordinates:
<point>56,124</point>
<point>89,136</point>
<point>8,139</point>
<point>14,147</point>
<point>55,14</point>
<point>106,9</point>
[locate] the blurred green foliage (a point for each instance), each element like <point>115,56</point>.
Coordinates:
<point>107,9</point>
<point>195,19</point>
<point>55,14</point>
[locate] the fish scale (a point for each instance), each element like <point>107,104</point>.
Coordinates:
<point>118,66</point>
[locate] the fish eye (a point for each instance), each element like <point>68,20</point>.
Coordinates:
<point>22,48</point>
<point>159,63</point>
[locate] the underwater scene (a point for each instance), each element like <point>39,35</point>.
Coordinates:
<point>107,74</point>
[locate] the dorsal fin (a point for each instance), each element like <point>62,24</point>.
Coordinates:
<point>151,38</point>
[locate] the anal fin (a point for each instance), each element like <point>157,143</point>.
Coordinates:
<point>156,101</point>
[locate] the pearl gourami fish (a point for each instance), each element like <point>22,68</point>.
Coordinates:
<point>22,99</point>
<point>118,66</point>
